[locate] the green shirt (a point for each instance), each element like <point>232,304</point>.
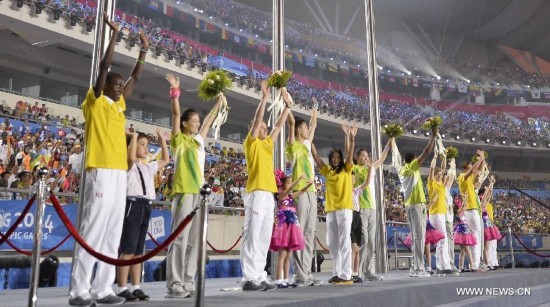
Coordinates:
<point>188,177</point>
<point>299,155</point>
<point>411,183</point>
<point>366,198</point>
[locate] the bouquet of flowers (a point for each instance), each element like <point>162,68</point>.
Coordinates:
<point>432,123</point>
<point>215,83</point>
<point>475,157</point>
<point>393,130</point>
<point>279,79</point>
<point>452,152</point>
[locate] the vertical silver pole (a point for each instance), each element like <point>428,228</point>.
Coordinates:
<point>395,248</point>
<point>201,259</point>
<point>315,252</point>
<point>511,240</point>
<point>381,248</point>
<point>101,40</point>
<point>36,249</point>
<point>278,63</point>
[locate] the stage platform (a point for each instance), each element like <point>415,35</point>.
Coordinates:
<point>398,289</point>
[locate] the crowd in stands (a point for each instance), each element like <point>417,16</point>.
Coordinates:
<point>495,127</point>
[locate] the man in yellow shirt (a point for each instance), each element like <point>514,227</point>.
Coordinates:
<point>259,204</point>
<point>415,204</point>
<point>104,197</point>
<point>472,214</point>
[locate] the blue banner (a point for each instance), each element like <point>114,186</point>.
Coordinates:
<point>159,227</point>
<point>53,230</point>
<point>402,233</point>
<point>531,242</point>
<point>229,65</point>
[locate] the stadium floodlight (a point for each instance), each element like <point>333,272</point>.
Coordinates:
<point>534,144</point>
<point>488,141</point>
<point>519,143</point>
<point>457,137</point>
<point>503,142</point>
<point>414,131</point>
<point>472,139</point>
<point>427,133</point>
<point>443,135</point>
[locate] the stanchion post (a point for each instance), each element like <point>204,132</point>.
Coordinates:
<point>511,240</point>
<point>395,248</point>
<point>315,252</point>
<point>36,249</point>
<point>201,259</point>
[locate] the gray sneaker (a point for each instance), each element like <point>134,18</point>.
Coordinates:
<point>373,277</point>
<point>176,291</point>
<point>110,299</point>
<point>252,286</point>
<point>85,300</point>
<point>304,283</point>
<point>268,286</point>
<point>317,282</point>
<point>189,287</point>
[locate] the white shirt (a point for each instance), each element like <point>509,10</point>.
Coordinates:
<point>134,187</point>
<point>215,199</point>
<point>201,153</point>
<point>76,161</point>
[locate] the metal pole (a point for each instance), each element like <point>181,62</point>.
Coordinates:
<point>36,249</point>
<point>381,248</point>
<point>395,247</point>
<point>315,252</point>
<point>201,259</point>
<point>511,240</point>
<point>278,63</point>
<point>101,40</point>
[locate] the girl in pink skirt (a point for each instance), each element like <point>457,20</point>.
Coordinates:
<point>463,234</point>
<point>287,233</point>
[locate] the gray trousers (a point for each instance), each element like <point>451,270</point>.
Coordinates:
<point>368,241</point>
<point>416,213</point>
<point>181,261</point>
<point>451,242</point>
<point>306,209</point>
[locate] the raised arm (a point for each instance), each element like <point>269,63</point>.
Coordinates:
<point>368,179</point>
<point>351,146</point>
<point>107,59</point>
<point>209,119</point>
<point>428,148</point>
<point>259,115</point>
<point>432,168</point>
<point>165,153</point>
<point>303,190</point>
<point>384,154</point>
<point>174,82</point>
<point>282,118</point>
<point>132,148</point>
<point>138,67</point>
<point>291,126</point>
<point>316,158</point>
<point>475,167</point>
<point>313,121</point>
<point>291,187</point>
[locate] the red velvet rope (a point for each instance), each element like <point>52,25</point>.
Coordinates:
<point>398,238</point>
<point>154,241</point>
<point>529,250</point>
<point>114,261</point>
<point>321,244</point>
<point>4,237</point>
<point>227,250</point>
<point>17,249</point>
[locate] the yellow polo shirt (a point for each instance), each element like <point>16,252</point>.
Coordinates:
<point>259,164</point>
<point>105,135</point>
<point>437,188</point>
<point>466,187</point>
<point>339,188</point>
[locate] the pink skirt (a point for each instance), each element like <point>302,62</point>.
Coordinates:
<point>492,233</point>
<point>465,239</point>
<point>432,236</point>
<point>287,236</point>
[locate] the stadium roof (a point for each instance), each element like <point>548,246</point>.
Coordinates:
<point>521,24</point>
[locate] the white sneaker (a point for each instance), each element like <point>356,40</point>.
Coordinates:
<point>176,291</point>
<point>373,277</point>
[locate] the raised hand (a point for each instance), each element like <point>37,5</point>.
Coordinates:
<point>160,135</point>
<point>286,97</point>
<point>144,41</point>
<point>173,80</point>
<point>353,131</point>
<point>346,129</point>
<point>266,91</point>
<point>113,25</point>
